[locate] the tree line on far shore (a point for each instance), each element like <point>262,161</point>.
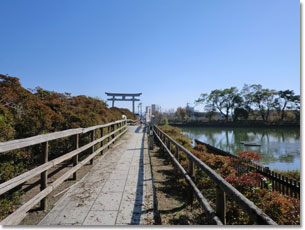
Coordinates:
<point>252,102</point>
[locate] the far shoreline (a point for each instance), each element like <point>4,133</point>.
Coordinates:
<point>222,124</point>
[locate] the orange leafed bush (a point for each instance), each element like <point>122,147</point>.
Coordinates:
<point>281,208</point>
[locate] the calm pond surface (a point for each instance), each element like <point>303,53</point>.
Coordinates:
<point>280,148</point>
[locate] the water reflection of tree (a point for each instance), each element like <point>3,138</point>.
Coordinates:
<point>229,140</point>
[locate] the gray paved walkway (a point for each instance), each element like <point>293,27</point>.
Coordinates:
<point>117,191</point>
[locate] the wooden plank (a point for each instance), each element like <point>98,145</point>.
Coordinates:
<point>25,142</point>
<point>12,183</point>
<point>17,216</point>
<point>44,175</point>
<point>248,206</point>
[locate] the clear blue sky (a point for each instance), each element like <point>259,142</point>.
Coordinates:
<point>171,51</point>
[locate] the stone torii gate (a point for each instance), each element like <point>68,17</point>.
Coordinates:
<point>124,97</point>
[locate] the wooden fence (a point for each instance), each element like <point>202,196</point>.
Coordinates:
<point>280,183</point>
<point>223,188</point>
<point>114,131</point>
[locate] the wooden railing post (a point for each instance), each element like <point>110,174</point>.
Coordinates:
<point>297,192</point>
<point>163,139</point>
<point>191,173</point>
<point>92,148</point>
<point>280,184</point>
<point>272,180</point>
<point>112,129</point>
<point>75,158</point>
<point>102,142</point>
<point>109,136</point>
<point>287,187</point>
<point>44,175</point>
<point>177,153</point>
<point>275,183</point>
<point>221,204</point>
<point>168,145</point>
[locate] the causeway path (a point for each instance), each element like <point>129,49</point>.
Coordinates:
<point>118,190</point>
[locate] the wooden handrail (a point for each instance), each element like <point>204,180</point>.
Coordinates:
<point>14,182</point>
<point>25,142</point>
<point>204,203</point>
<point>21,212</point>
<point>255,213</point>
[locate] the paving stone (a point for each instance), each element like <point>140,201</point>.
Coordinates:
<point>133,196</point>
<point>100,218</point>
<point>107,201</point>
<point>136,182</point>
<point>72,214</point>
<point>118,175</point>
<point>114,186</point>
<point>129,213</point>
<point>133,189</point>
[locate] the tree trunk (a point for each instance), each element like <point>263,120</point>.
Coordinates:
<point>283,111</point>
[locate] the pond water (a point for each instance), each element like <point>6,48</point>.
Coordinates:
<point>280,148</point>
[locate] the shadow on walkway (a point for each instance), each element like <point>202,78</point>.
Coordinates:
<point>137,210</point>
<point>138,130</point>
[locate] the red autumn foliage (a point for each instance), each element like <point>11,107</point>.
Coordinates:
<point>281,208</point>
<point>249,156</point>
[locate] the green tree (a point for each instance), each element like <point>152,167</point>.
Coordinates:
<point>264,100</point>
<point>286,100</point>
<point>225,101</point>
<point>247,94</point>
